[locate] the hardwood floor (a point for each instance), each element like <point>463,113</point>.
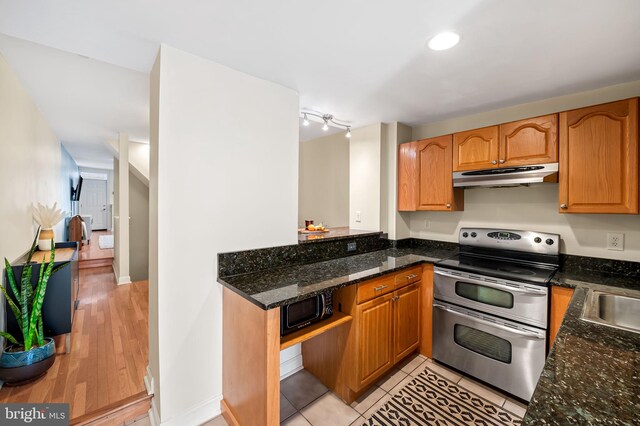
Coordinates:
<point>93,250</point>
<point>109,345</point>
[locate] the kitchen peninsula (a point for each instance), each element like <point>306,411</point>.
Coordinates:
<point>252,343</point>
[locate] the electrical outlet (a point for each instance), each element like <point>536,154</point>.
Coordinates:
<point>351,246</point>
<point>615,241</point>
<point>427,224</point>
<point>358,217</point>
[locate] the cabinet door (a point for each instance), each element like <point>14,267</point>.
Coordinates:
<point>375,352</point>
<point>530,141</point>
<point>436,190</point>
<point>475,149</point>
<point>407,176</point>
<point>560,298</point>
<point>599,159</point>
<point>406,320</point>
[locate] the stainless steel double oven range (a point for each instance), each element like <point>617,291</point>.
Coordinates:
<point>491,306</point>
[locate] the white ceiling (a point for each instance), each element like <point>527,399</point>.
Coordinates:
<point>362,61</point>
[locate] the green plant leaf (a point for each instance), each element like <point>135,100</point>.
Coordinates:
<point>16,312</point>
<point>26,289</point>
<point>33,245</point>
<point>40,332</point>
<point>36,310</point>
<point>11,278</point>
<point>9,337</point>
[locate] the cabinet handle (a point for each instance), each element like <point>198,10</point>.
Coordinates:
<point>412,276</point>
<point>563,206</point>
<point>382,287</point>
<point>501,161</point>
<point>494,162</point>
<point>448,205</point>
<point>395,298</point>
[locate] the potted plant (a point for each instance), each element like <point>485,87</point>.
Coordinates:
<point>30,355</point>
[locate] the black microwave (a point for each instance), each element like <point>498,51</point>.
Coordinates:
<point>303,313</point>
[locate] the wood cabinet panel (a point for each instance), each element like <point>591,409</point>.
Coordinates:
<point>476,149</point>
<point>408,276</point>
<point>408,180</point>
<point>560,298</point>
<point>599,159</point>
<point>426,310</point>
<point>530,141</point>
<point>377,287</point>
<point>375,338</point>
<point>435,177</point>
<point>406,321</point>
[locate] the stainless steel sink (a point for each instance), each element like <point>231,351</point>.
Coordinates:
<point>613,310</point>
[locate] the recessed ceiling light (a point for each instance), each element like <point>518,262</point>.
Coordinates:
<point>444,41</point>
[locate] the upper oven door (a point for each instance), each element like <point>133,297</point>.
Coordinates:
<point>522,302</point>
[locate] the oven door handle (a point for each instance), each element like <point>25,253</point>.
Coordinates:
<point>493,285</point>
<point>531,334</point>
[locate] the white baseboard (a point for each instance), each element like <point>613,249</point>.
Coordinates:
<point>291,367</point>
<point>290,361</point>
<point>198,415</point>
<point>149,383</point>
<point>124,280</point>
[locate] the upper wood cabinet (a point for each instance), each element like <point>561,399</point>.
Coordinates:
<point>530,141</point>
<point>599,159</point>
<point>475,149</point>
<point>519,143</point>
<point>425,179</point>
<point>408,176</point>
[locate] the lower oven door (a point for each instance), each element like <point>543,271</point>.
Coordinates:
<point>514,300</point>
<point>507,355</point>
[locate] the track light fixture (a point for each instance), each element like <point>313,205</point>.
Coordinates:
<point>326,120</point>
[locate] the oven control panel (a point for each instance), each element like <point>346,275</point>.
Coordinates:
<point>510,239</point>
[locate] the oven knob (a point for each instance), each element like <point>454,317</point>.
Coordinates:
<point>549,241</point>
<point>465,234</point>
<point>537,239</point>
<point>329,310</point>
<point>473,235</point>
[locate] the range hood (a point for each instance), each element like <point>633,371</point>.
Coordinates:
<point>507,176</point>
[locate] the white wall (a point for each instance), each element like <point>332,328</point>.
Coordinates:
<point>139,229</point>
<point>211,175</point>
<point>30,169</point>
<point>391,221</point>
<point>30,157</point>
<point>532,208</point>
<point>365,177</point>
<point>323,190</point>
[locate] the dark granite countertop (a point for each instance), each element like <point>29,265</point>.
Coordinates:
<point>595,280</point>
<point>592,374</point>
<point>277,287</point>
<point>337,233</point>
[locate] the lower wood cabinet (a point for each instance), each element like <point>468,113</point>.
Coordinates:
<point>406,321</point>
<point>560,299</point>
<point>387,329</point>
<point>375,337</point>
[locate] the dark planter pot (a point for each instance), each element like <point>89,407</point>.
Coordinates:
<point>21,367</point>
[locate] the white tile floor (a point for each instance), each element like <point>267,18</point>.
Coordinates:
<point>305,401</point>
